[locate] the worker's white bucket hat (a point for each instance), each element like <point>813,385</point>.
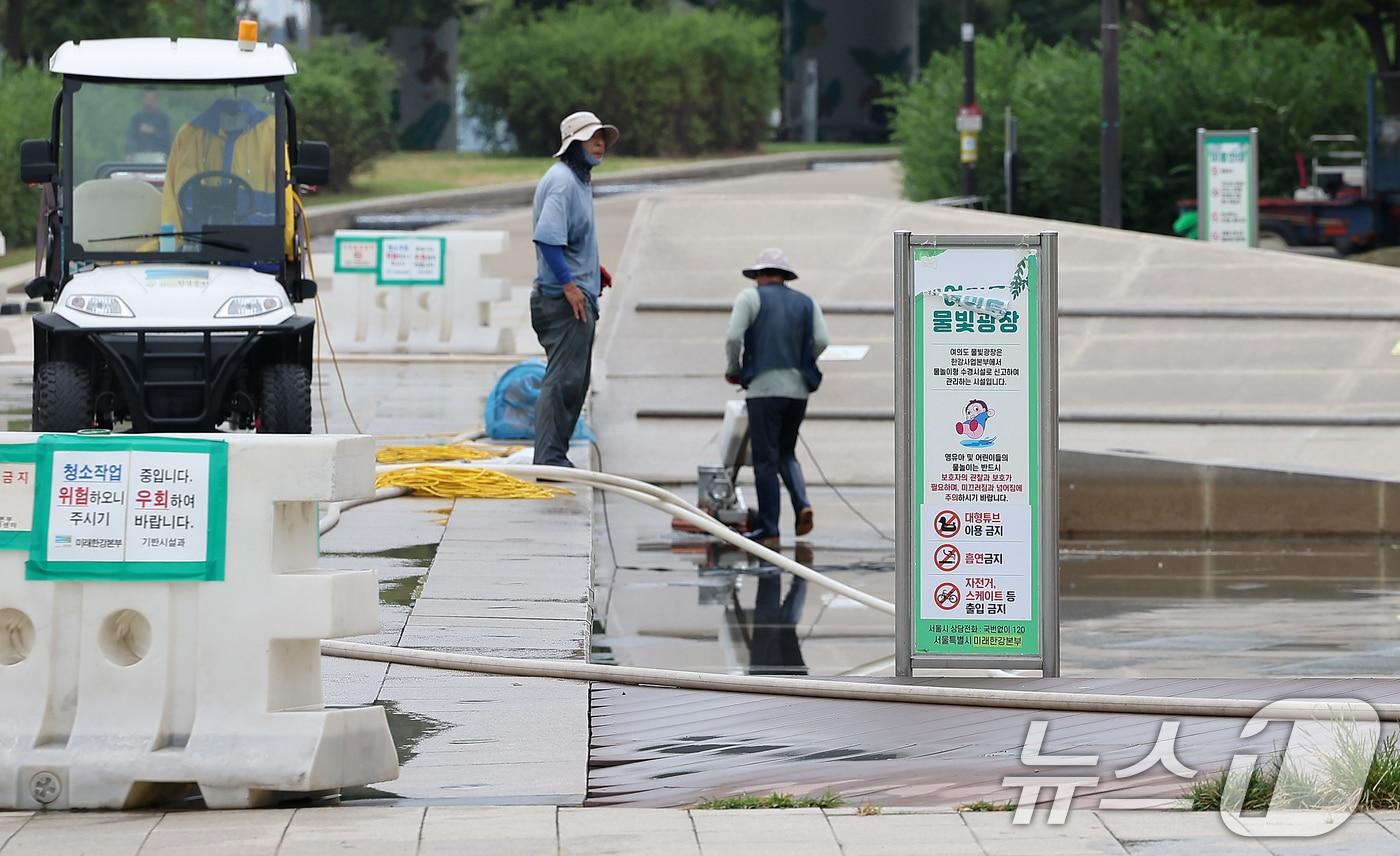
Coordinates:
<point>772,259</point>
<point>581,126</point>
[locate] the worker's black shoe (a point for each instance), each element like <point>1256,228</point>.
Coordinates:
<point>767,539</point>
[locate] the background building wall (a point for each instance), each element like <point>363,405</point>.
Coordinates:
<point>855,44</point>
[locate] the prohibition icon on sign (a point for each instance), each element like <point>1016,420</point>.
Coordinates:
<point>946,596</point>
<point>947,557</point>
<point>947,524</point>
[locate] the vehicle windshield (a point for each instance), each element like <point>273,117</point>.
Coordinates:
<point>167,170</point>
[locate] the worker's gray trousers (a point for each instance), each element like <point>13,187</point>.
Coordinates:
<point>568,346</point>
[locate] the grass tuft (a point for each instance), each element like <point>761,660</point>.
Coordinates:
<point>868,810</point>
<point>1206,794</point>
<point>827,799</point>
<point>1290,789</point>
<point>987,805</point>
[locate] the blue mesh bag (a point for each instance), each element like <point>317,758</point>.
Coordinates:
<point>510,407</point>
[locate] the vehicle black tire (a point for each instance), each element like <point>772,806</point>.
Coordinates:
<point>284,402</point>
<point>62,397</point>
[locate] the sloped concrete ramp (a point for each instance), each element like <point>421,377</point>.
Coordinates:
<point>1168,348</point>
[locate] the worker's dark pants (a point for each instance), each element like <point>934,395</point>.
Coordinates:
<point>773,426</point>
<point>774,648</point>
<point>568,347</point>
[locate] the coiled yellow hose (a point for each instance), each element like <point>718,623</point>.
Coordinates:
<point>450,452</point>
<point>462,483</point>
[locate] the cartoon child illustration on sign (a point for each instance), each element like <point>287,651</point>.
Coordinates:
<point>974,427</point>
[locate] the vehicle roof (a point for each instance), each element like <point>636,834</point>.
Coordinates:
<point>170,59</point>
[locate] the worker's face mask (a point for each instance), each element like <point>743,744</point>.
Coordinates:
<point>592,161</point>
<point>232,121</point>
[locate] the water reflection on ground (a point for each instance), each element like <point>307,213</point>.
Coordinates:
<point>1262,607</point>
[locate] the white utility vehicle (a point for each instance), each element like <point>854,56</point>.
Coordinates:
<point>168,239</point>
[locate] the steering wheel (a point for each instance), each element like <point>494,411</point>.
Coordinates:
<point>215,197</point>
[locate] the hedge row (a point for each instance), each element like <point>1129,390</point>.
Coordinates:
<point>26,101</point>
<point>344,95</point>
<point>1188,74</point>
<point>676,83</point>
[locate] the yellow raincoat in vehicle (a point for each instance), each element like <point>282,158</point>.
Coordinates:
<point>205,144</point>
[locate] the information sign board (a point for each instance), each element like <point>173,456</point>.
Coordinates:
<point>1227,187</point>
<point>394,259</point>
<point>17,477</point>
<point>356,254</point>
<point>976,416</point>
<point>129,508</point>
<point>411,261</point>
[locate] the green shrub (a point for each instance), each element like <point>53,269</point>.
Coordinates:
<point>676,83</point>
<point>1188,74</point>
<point>26,100</point>
<point>343,95</point>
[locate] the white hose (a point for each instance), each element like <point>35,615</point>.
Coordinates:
<point>804,687</point>
<point>334,510</point>
<point>669,503</point>
<point>834,689</point>
<point>638,491</point>
<point>565,474</point>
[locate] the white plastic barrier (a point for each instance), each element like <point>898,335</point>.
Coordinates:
<point>129,670</point>
<point>418,292</point>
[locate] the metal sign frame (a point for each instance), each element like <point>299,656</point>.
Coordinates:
<point>1203,138</point>
<point>1046,440</point>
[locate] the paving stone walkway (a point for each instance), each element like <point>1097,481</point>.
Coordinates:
<point>530,830</point>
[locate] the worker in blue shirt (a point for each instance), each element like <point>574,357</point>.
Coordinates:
<point>564,301</point>
<point>775,335</point>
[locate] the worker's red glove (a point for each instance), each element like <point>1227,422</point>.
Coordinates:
<point>604,277</point>
<point>730,378</point>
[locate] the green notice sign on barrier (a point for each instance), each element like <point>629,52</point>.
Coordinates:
<point>394,258</point>
<point>978,512</point>
<point>17,477</point>
<point>137,509</point>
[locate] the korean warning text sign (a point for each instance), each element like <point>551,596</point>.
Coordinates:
<point>1227,187</point>
<point>138,508</point>
<point>973,435</point>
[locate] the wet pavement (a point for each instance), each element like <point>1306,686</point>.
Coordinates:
<point>1244,608</point>
<point>1225,608</point>
<point>676,600</point>
<point>1231,608</point>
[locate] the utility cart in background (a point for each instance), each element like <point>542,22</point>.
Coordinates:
<point>170,250</point>
<point>1349,200</point>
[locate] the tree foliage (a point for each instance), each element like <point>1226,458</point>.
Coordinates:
<point>26,97</point>
<point>46,24</point>
<point>676,83</point>
<point>343,92</point>
<point>1052,21</point>
<point>1377,20</point>
<point>1185,75</point>
<point>373,18</point>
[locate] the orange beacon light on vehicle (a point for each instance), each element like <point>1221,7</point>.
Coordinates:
<point>247,34</point>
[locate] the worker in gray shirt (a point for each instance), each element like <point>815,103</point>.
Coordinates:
<point>775,335</point>
<point>564,301</point>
